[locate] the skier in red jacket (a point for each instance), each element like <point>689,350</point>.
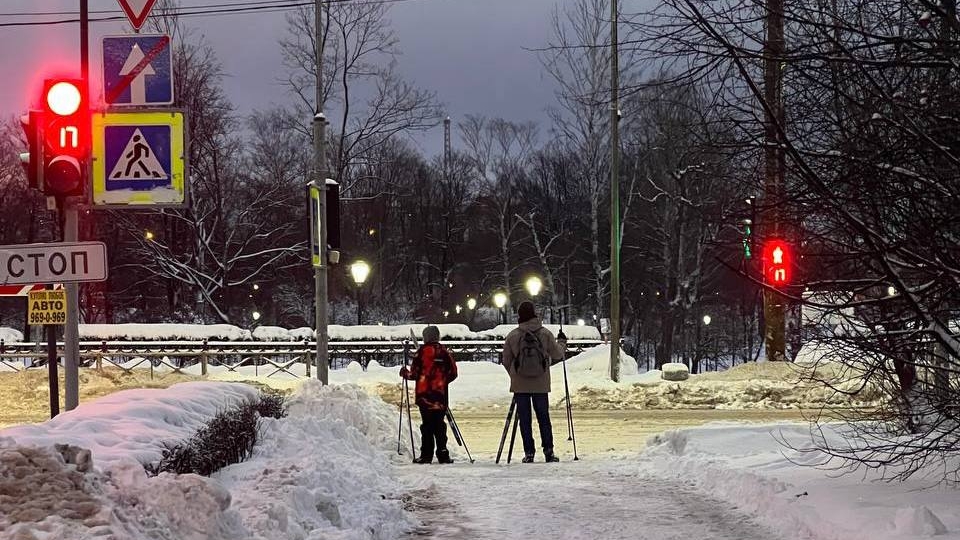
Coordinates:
<point>433,368</point>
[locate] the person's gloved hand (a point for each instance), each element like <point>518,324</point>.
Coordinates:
<point>404,372</point>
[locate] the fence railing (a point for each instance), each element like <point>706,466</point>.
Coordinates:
<point>276,357</point>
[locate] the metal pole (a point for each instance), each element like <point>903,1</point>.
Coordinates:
<point>54,381</point>
<point>71,332</point>
<point>773,302</point>
<point>614,197</point>
<point>319,176</point>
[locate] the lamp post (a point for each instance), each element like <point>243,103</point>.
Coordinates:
<point>500,300</point>
<point>359,270</point>
<point>471,304</point>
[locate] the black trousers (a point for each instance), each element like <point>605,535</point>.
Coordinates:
<point>541,407</point>
<point>433,430</point>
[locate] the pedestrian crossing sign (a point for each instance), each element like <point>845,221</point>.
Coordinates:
<point>139,159</point>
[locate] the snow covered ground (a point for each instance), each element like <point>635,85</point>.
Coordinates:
<point>330,469</point>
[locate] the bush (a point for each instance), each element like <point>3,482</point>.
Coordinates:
<point>228,438</point>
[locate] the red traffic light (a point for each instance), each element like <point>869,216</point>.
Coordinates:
<point>63,98</point>
<point>777,260</point>
<point>66,136</point>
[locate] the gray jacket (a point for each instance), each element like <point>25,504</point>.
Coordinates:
<point>511,348</point>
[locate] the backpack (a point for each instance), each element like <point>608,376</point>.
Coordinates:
<point>533,360</point>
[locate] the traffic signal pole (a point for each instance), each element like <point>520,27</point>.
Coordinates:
<point>775,167</point>
<point>71,332</point>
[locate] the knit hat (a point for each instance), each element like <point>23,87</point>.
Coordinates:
<point>526,312</point>
<point>431,334</point>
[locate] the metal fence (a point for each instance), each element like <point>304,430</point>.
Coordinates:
<point>274,357</point>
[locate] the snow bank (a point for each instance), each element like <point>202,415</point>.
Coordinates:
<point>764,385</point>
<point>787,490</point>
<point>163,331</point>
<point>9,335</point>
<point>571,331</point>
<point>226,332</point>
<point>322,472</point>
<point>134,424</point>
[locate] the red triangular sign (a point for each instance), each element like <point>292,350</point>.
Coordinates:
<point>137,10</point>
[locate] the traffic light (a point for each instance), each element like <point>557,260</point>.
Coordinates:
<point>32,159</point>
<point>65,128</point>
<point>748,224</point>
<point>777,260</point>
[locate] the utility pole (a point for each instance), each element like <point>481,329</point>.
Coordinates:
<point>614,197</point>
<point>320,177</point>
<point>775,166</point>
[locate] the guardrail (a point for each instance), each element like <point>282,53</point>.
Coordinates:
<point>278,356</point>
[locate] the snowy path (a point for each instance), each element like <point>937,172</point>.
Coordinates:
<point>605,499</point>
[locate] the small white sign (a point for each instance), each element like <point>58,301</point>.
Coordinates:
<point>604,326</point>
<point>26,264</point>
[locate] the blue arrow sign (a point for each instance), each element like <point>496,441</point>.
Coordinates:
<point>137,70</point>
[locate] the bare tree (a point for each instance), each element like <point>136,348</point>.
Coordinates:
<point>360,82</point>
<point>578,59</point>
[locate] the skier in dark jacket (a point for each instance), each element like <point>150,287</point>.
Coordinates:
<point>433,368</point>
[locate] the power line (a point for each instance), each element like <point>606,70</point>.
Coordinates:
<point>280,5</point>
<point>117,11</point>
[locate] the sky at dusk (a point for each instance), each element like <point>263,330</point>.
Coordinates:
<point>473,53</point>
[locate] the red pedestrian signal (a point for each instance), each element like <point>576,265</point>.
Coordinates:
<point>777,260</point>
<point>66,137</point>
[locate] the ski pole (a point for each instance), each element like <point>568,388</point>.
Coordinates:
<point>573,433</point>
<point>513,436</point>
<point>400,426</point>
<point>458,435</point>
<point>506,426</point>
<point>413,448</point>
<point>406,349</point>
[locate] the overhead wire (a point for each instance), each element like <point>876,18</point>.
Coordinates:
<point>241,8</point>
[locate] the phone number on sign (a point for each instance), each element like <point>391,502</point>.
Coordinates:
<point>45,317</point>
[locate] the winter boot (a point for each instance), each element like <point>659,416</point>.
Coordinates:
<point>443,456</point>
<point>424,458</point>
<point>549,456</point>
<point>528,458</point>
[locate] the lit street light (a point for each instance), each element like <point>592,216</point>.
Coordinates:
<point>500,300</point>
<point>255,315</point>
<point>359,271</point>
<point>706,320</point>
<point>533,285</point>
<point>581,322</point>
<point>471,303</point>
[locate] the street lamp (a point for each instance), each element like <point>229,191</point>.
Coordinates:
<point>891,291</point>
<point>533,285</point>
<point>581,322</point>
<point>256,315</point>
<point>359,270</point>
<point>706,320</point>
<point>500,300</point>
<point>471,303</point>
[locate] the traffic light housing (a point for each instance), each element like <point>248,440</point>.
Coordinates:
<point>777,262</point>
<point>65,131</point>
<point>32,159</point>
